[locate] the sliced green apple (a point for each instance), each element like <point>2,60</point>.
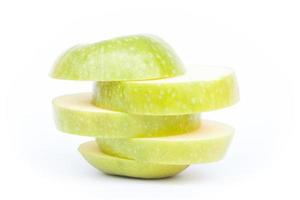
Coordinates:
<point>207,144</point>
<point>76,114</point>
<point>125,167</point>
<point>137,57</point>
<point>208,88</point>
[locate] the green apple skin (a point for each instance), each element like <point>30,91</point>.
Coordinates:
<point>77,115</point>
<point>125,167</point>
<point>208,144</point>
<point>167,98</point>
<point>136,57</point>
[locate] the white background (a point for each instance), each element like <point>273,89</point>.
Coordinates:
<point>258,38</point>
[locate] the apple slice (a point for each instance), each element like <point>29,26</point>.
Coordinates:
<point>76,114</point>
<point>137,57</point>
<point>207,144</point>
<point>206,89</point>
<point>125,167</point>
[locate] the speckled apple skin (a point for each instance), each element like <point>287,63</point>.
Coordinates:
<point>169,150</point>
<point>137,57</point>
<point>104,123</point>
<point>125,167</point>
<point>167,98</point>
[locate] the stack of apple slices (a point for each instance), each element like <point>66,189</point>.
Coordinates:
<point>144,110</point>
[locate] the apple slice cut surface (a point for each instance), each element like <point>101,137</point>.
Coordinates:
<point>125,167</point>
<point>204,89</point>
<point>207,144</point>
<point>76,114</point>
<point>137,57</point>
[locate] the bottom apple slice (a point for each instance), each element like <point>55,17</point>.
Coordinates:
<point>207,144</point>
<point>126,167</point>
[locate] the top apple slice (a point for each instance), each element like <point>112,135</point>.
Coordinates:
<point>137,57</point>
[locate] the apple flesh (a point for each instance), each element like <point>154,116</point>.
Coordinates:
<point>209,88</point>
<point>77,115</point>
<point>207,144</point>
<point>137,57</point>
<point>125,167</point>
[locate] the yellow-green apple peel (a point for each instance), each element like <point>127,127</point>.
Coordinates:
<point>77,115</point>
<point>137,57</point>
<point>125,167</point>
<point>204,89</point>
<point>207,144</point>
